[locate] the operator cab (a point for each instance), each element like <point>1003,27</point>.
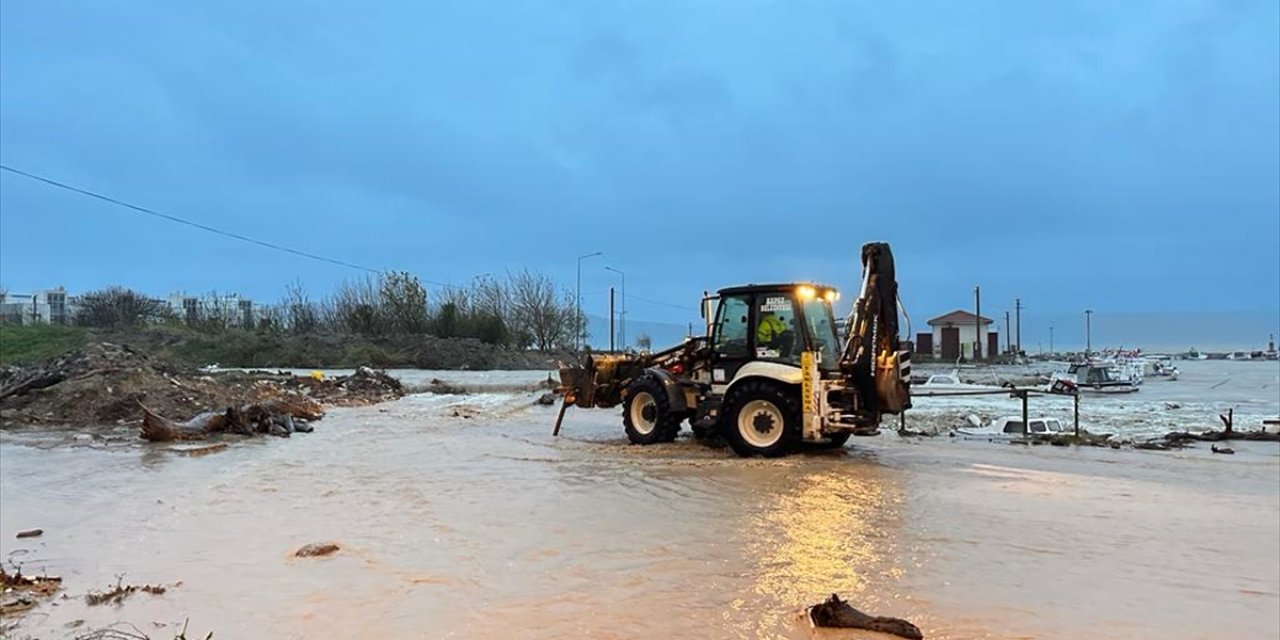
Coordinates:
<point>772,323</point>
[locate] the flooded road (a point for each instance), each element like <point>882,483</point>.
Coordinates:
<point>461,517</point>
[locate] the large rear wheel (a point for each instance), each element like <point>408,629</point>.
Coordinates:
<point>761,418</point>
<point>647,415</point>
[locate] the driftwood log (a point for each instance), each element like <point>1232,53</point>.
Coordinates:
<point>279,417</point>
<point>1180,438</point>
<point>838,613</point>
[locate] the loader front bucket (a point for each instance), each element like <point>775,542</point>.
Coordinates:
<point>600,379</point>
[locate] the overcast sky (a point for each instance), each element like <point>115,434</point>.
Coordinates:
<point>1122,156</point>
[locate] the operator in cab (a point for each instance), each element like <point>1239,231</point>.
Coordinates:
<point>770,329</point>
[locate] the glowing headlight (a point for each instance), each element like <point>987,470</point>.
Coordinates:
<point>831,295</point>
<point>806,292</point>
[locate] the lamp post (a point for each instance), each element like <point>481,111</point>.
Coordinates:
<point>1088,332</point>
<point>1051,340</point>
<point>622,315</point>
<point>578,338</point>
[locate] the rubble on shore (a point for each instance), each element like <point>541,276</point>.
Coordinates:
<point>110,385</point>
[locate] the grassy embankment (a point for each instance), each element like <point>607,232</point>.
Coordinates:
<point>24,345</point>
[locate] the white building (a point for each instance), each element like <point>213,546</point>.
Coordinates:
<point>49,306</point>
<point>956,333</point>
<point>236,310</point>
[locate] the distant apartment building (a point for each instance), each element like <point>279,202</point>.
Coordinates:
<point>56,306</point>
<point>234,309</point>
<point>49,306</point>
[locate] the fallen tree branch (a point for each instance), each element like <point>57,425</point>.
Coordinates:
<point>32,384</point>
<point>838,613</point>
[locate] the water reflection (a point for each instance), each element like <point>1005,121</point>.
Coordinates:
<point>831,532</point>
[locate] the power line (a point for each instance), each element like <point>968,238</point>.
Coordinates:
<point>661,303</point>
<point>197,225</point>
<point>243,238</point>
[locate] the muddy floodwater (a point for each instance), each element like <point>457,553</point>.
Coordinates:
<point>461,517</point>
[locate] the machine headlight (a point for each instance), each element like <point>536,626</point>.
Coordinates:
<point>806,292</point>
<point>831,295</point>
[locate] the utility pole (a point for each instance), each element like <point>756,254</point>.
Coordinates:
<point>1017,305</point>
<point>611,333</point>
<point>1051,339</point>
<point>1008,337</point>
<point>1088,332</point>
<point>622,316</point>
<point>977,323</point>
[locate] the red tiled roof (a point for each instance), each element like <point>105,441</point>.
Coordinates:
<point>957,317</point>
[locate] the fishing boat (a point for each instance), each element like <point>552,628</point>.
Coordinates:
<point>1096,378</point>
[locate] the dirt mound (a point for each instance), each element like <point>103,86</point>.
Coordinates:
<point>107,383</point>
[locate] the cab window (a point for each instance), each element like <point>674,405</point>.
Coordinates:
<point>731,327</point>
<point>776,337</point>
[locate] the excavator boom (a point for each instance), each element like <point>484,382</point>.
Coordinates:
<point>872,359</point>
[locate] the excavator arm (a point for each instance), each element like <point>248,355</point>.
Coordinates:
<point>872,360</point>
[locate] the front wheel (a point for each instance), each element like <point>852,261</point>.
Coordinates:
<point>761,418</point>
<point>647,415</point>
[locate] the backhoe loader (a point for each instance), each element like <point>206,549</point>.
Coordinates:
<point>770,373</point>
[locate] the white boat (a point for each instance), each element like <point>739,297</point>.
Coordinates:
<point>1093,377</point>
<point>1158,370</point>
<point>948,384</point>
<point>1011,427</point>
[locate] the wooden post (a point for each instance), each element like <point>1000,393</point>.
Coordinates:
<point>1025,426</point>
<point>1075,398</point>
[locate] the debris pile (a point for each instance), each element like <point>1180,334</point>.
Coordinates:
<point>118,593</point>
<point>363,387</point>
<point>108,384</point>
<point>20,592</point>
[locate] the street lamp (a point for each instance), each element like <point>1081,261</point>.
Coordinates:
<point>1051,340</point>
<point>1088,332</point>
<point>622,324</point>
<point>577,318</point>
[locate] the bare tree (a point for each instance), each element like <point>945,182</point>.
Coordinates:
<point>270,318</point>
<point>118,307</point>
<point>537,312</point>
<point>301,314</point>
<point>643,342</point>
<point>214,313</point>
<point>356,307</point>
<point>490,297</point>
